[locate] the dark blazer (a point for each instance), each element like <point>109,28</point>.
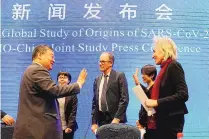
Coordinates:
<point>71,104</point>
<point>38,115</point>
<point>116,96</point>
<point>173,94</point>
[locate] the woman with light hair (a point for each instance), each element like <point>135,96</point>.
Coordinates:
<point>169,92</point>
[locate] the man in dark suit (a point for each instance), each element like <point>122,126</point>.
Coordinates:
<point>38,115</point>
<point>111,97</point>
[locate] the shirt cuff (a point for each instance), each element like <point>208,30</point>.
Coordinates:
<point>79,84</point>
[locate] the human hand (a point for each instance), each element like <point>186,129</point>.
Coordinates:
<point>151,103</point>
<point>82,77</point>
<point>8,120</point>
<point>139,126</point>
<point>94,127</point>
<point>115,121</point>
<point>68,130</point>
<point>135,77</point>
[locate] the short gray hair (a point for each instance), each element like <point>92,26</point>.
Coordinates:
<point>167,45</point>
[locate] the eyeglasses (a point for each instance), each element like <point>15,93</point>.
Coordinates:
<point>62,77</point>
<point>103,62</point>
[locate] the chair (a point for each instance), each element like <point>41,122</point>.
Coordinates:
<point>118,131</point>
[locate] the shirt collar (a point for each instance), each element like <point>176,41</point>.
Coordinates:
<point>108,74</point>
<point>37,63</point>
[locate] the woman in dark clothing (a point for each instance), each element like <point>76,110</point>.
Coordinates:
<point>68,108</point>
<point>148,73</point>
<point>169,93</point>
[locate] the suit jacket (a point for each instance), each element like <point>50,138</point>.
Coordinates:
<point>38,115</point>
<point>173,93</point>
<point>116,96</point>
<point>71,104</point>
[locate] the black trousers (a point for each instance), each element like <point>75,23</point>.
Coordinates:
<point>169,127</point>
<point>150,134</point>
<point>68,135</point>
<point>104,118</point>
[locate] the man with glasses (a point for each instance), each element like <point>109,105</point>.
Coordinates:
<point>111,97</point>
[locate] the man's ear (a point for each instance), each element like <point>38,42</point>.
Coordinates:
<point>111,63</point>
<point>39,56</point>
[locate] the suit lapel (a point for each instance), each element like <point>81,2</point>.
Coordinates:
<point>66,101</point>
<point>98,85</point>
<point>111,79</point>
<point>99,81</point>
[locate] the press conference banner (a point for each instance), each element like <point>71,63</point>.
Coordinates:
<point>79,31</point>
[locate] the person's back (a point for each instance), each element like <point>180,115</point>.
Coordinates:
<point>38,116</point>
<point>35,106</point>
<point>36,97</point>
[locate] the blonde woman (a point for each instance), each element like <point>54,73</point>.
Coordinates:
<point>169,92</point>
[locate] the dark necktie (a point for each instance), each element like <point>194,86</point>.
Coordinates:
<point>103,96</point>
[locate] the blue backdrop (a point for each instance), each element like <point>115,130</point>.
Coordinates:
<point>80,30</point>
